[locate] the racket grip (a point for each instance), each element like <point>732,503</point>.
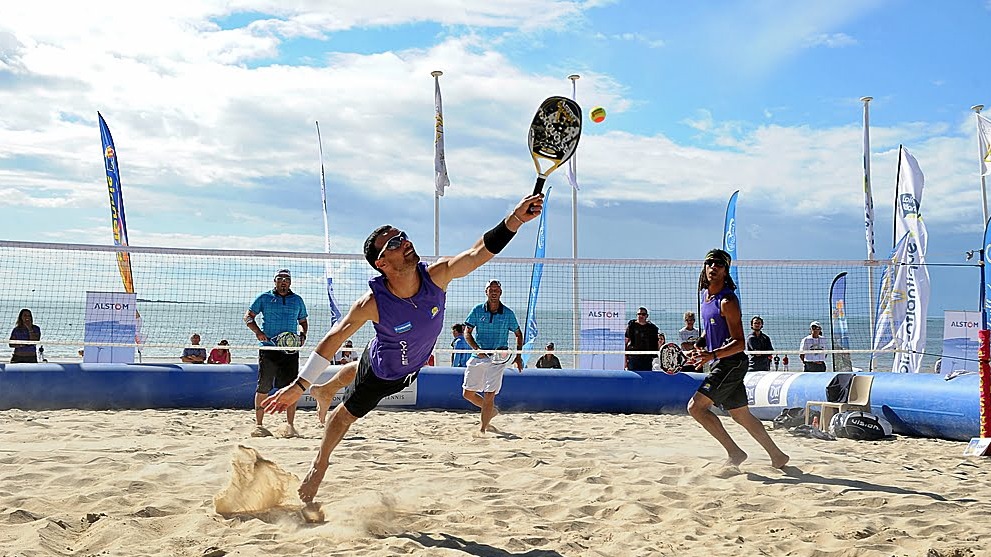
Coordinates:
<point>537,188</point>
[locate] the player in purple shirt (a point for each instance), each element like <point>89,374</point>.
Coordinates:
<point>406,304</point>
<point>722,343</point>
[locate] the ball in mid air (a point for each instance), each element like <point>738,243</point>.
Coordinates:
<point>598,114</point>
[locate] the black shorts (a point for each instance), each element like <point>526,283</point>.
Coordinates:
<point>276,369</point>
<point>724,384</point>
<point>369,389</point>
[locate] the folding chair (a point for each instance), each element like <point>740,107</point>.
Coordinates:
<point>860,398</point>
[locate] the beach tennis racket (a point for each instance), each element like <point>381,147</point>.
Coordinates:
<point>503,356</point>
<point>554,135</point>
<point>671,358</point>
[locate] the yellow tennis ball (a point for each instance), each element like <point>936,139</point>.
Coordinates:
<point>598,114</point>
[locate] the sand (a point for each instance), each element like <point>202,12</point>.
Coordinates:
<point>134,483</point>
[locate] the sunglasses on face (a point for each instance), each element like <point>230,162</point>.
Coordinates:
<point>283,279</point>
<point>394,243</point>
<point>643,314</point>
<point>715,263</point>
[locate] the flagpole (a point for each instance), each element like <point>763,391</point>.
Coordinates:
<point>436,75</point>
<point>984,193</point>
<point>869,210</point>
<point>576,330</point>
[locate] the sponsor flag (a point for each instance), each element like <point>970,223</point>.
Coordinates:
<point>908,192</point>
<point>729,238</point>
<point>984,136</point>
<point>531,333</point>
<point>335,313</point>
<point>838,325</point>
<point>441,180</point>
<point>116,204</point>
<point>903,302</point>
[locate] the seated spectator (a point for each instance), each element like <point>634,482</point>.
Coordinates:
<point>688,334</point>
<point>346,355</point>
<point>220,355</point>
<point>194,354</point>
<point>549,360</point>
<point>25,329</point>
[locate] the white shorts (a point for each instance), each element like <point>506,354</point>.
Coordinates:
<point>483,376</point>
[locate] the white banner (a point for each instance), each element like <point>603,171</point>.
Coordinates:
<point>984,136</point>
<point>909,193</point>
<point>441,180</point>
<point>910,302</point>
<point>960,341</point>
<point>110,318</point>
<point>603,329</point>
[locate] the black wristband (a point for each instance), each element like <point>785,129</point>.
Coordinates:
<point>300,385</point>
<point>498,238</point>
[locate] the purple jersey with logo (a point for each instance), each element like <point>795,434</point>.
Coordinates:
<point>713,323</point>
<point>407,328</point>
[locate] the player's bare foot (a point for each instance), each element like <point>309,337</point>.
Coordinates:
<point>260,431</point>
<point>779,461</point>
<point>323,394</point>
<point>289,432</point>
<point>736,459</point>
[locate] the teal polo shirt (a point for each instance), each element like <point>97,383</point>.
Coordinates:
<point>279,313</point>
<point>491,330</point>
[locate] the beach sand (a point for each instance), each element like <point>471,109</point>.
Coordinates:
<point>134,483</point>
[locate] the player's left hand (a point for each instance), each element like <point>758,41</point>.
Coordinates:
<point>519,362</point>
<point>282,399</point>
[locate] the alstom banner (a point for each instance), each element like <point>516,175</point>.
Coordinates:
<point>603,329</point>
<point>110,319</point>
<point>960,341</point>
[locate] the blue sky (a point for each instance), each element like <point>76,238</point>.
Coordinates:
<point>212,107</point>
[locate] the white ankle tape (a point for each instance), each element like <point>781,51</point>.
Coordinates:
<point>314,367</point>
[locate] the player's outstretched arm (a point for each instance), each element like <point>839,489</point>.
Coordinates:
<point>492,242</point>
<point>363,311</point>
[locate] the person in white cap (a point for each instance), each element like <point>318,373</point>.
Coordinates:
<point>811,351</point>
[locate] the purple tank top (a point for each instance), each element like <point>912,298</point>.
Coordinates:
<point>407,328</point>
<point>713,323</point>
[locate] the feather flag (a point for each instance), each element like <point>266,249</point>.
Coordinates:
<point>729,238</point>
<point>531,332</point>
<point>441,180</point>
<point>118,220</point>
<point>838,324</point>
<point>335,313</point>
<point>908,192</point>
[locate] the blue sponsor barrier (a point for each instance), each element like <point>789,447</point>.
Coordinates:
<point>918,404</point>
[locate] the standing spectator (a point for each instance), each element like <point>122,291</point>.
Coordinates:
<point>220,355</point>
<point>486,329</point>
<point>688,334</point>
<point>346,355</point>
<point>784,361</point>
<point>812,350</point>
<point>282,311</point>
<point>758,341</point>
<point>459,359</point>
<point>777,362</point>
<point>549,360</point>
<point>724,345</point>
<point>641,334</point>
<point>25,329</point>
<point>194,354</point>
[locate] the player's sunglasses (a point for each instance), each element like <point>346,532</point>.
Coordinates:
<point>394,243</point>
<point>715,263</point>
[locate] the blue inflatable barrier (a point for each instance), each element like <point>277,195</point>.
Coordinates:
<point>918,404</point>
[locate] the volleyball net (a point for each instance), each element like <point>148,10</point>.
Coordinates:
<point>583,306</point>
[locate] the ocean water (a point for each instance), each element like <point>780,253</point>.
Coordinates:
<point>173,323</point>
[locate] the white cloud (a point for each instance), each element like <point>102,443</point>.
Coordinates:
<point>830,40</point>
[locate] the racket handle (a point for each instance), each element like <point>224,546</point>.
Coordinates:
<point>537,188</point>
